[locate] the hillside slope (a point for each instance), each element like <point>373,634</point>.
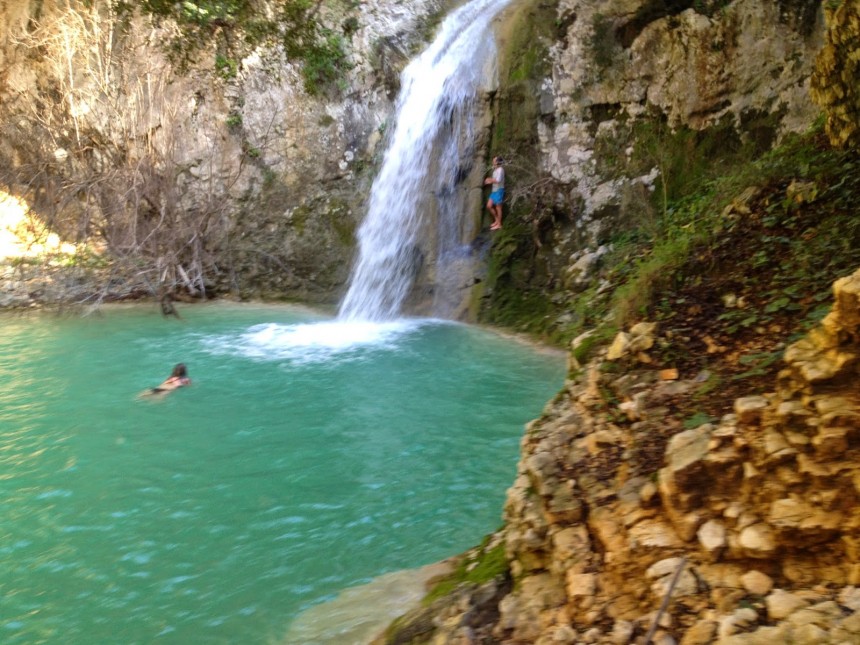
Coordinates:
<point>695,481</point>
<point>716,432</point>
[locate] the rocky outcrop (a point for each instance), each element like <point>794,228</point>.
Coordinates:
<point>632,99</point>
<point>699,65</point>
<point>834,84</point>
<point>749,526</point>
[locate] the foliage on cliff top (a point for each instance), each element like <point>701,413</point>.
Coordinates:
<point>294,24</point>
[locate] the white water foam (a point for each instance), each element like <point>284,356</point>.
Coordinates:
<point>313,342</point>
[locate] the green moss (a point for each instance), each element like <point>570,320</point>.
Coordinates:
<point>604,46</point>
<point>525,311</point>
<point>483,567</point>
<point>332,214</point>
<point>530,61</point>
<point>338,217</point>
<point>513,302</point>
<point>227,67</point>
<point>523,65</point>
<point>299,217</point>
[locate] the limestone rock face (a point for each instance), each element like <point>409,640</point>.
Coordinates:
<point>621,61</point>
<point>277,178</point>
<point>276,175</point>
<point>754,532</point>
<point>834,84</point>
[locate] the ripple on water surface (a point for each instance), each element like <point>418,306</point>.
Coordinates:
<point>308,456</point>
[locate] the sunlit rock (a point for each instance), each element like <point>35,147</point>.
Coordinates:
<point>712,537</point>
<point>781,604</point>
<point>757,583</point>
<point>758,541</point>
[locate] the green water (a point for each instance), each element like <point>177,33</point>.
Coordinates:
<point>307,456</point>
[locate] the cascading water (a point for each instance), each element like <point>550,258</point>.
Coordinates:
<point>433,134</point>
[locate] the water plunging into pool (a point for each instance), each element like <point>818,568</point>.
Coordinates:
<point>432,137</point>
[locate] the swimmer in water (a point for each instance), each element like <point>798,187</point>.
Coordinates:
<point>178,378</point>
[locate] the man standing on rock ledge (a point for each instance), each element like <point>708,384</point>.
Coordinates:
<point>494,203</point>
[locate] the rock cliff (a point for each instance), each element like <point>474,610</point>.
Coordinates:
<point>623,525</point>
<point>630,103</point>
<point>744,64</point>
<point>217,164</point>
<point>201,163</point>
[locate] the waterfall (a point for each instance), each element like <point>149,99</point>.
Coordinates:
<point>433,133</point>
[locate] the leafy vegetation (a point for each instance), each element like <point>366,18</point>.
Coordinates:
<point>237,23</point>
<point>697,419</point>
<point>227,67</point>
<point>324,60</point>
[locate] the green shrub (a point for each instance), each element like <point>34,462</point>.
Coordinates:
<point>227,67</point>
